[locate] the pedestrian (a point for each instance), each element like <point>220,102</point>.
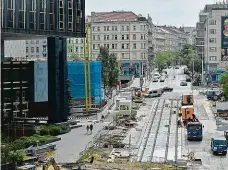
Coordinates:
<point>87,128</point>
<point>91,128</point>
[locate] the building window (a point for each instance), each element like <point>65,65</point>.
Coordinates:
<point>127,37</point>
<point>122,28</point>
<point>98,37</point>
<point>94,37</point>
<point>32,42</point>
<point>122,46</point>
<point>37,49</point>
<point>104,28</point>
<point>107,28</point>
<point>127,28</point>
<point>113,46</point>
<point>134,55</point>
<point>144,36</point>
<point>107,46</point>
<point>212,22</point>
<point>26,41</point>
<point>141,36</point>
<point>141,45</point>
<point>144,45</point>
<point>122,55</point>
<point>127,46</point>
<point>212,31</point>
<point>93,28</point>
<point>122,37</point>
<point>115,28</point>
<point>212,49</point>
<point>76,49</point>
<point>134,37</point>
<point>141,55</point>
<point>134,28</point>
<point>213,58</point>
<point>93,46</point>
<point>104,37</point>
<point>27,49</point>
<point>98,28</point>
<point>212,40</point>
<point>107,37</point>
<point>115,37</point>
<point>98,45</point>
<point>32,50</point>
<point>134,46</point>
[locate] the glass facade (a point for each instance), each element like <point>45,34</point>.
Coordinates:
<point>44,17</point>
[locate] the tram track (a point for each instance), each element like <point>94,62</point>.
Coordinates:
<point>143,145</point>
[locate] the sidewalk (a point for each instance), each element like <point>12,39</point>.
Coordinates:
<point>76,141</point>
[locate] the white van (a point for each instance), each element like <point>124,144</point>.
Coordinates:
<point>154,93</point>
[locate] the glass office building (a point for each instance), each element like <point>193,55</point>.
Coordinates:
<point>56,20</point>
<point>44,17</point>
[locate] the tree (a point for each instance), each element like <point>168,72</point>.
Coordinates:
<point>186,54</point>
<point>161,60</point>
<point>110,68</point>
<point>224,82</point>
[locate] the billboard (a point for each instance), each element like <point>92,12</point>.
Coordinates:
<point>40,81</point>
<point>224,38</point>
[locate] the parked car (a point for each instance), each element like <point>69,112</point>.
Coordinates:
<point>162,79</point>
<point>176,67</point>
<point>154,93</point>
<point>188,79</point>
<point>167,89</point>
<point>155,79</point>
<point>183,83</point>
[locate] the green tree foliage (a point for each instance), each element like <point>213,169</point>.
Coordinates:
<point>224,82</point>
<point>186,54</point>
<point>163,59</point>
<point>110,68</point>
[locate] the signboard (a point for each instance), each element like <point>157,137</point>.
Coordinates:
<point>40,81</point>
<point>224,38</point>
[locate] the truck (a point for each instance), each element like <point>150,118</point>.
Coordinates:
<point>219,145</point>
<point>194,131</point>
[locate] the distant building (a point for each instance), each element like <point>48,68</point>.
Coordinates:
<point>126,35</point>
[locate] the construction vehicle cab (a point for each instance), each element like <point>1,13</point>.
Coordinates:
<point>219,145</point>
<point>187,99</point>
<point>194,131</point>
<point>187,112</point>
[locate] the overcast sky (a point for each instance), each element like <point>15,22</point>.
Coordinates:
<point>163,12</point>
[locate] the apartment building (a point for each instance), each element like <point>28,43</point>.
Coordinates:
<point>126,35</point>
<point>36,48</point>
<point>216,42</point>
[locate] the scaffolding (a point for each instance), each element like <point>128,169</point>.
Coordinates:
<point>87,59</point>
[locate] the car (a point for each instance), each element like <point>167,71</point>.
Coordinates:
<point>162,79</point>
<point>167,89</point>
<point>188,79</point>
<point>154,93</point>
<point>155,80</point>
<point>176,67</point>
<point>183,83</point>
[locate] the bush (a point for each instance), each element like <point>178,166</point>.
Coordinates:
<point>44,132</point>
<point>54,131</point>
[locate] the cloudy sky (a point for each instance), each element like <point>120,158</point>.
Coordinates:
<point>163,12</point>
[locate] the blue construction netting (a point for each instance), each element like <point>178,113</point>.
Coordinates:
<point>77,80</point>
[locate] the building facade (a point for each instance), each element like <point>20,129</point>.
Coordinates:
<point>216,43</point>
<point>125,34</point>
<point>202,42</point>
<point>57,20</point>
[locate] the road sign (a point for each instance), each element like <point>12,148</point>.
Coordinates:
<point>191,154</point>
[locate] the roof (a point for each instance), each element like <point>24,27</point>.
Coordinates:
<point>185,107</point>
<point>219,138</point>
<point>113,16</point>
<point>222,105</point>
